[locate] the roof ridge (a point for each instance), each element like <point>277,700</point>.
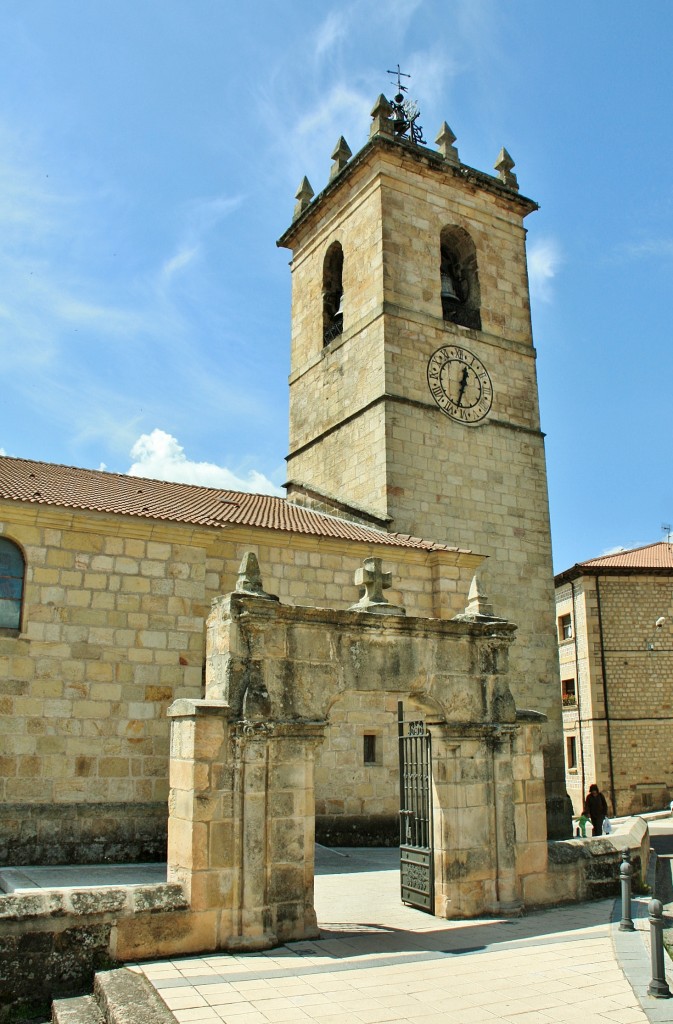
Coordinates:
<point>341,519</point>
<point>625,551</point>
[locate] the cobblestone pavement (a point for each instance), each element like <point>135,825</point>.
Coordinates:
<point>379,961</point>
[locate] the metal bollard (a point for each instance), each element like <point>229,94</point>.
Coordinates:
<point>625,873</point>
<point>658,986</point>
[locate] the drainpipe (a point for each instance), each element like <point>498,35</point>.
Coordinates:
<point>577,695</point>
<point>605,698</point>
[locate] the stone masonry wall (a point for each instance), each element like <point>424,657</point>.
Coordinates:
<point>112,633</point>
<point>351,789</point>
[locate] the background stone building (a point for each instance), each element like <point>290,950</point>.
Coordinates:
<point>615,639</point>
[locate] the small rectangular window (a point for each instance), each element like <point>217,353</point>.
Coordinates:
<point>571,753</point>
<point>568,693</point>
<point>565,627</point>
<point>369,748</point>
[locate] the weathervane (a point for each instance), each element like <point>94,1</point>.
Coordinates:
<point>405,112</point>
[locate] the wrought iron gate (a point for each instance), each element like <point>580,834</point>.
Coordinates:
<point>416,859</point>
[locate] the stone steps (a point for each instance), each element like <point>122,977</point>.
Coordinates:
<point>81,1010</point>
<point>119,997</point>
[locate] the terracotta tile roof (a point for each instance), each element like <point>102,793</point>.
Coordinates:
<point>650,556</point>
<point>45,483</point>
<point>656,557</point>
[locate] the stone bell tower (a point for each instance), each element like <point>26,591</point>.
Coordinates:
<point>413,390</point>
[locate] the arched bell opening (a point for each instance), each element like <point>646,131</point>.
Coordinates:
<point>459,278</point>
<point>332,293</point>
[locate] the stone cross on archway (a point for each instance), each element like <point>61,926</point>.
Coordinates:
<point>372,577</point>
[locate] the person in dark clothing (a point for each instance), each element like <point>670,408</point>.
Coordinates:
<point>596,808</point>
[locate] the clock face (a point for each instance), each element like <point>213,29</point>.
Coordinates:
<point>460,384</point>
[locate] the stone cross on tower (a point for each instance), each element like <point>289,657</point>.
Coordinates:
<point>375,581</point>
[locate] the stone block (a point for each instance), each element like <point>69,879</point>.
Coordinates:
<point>287,884</point>
<point>309,644</point>
<point>222,846</point>
<point>286,840</point>
<point>213,889</point>
<point>535,791</point>
<point>169,934</point>
<point>537,822</point>
<point>189,776</point>
<point>531,858</point>
<point>96,901</point>
<point>187,844</point>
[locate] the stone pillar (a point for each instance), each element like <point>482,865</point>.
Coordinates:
<point>276,803</point>
<point>508,884</point>
<point>530,813</point>
<point>201,820</point>
<point>480,843</point>
<point>240,830</point>
<point>462,823</point>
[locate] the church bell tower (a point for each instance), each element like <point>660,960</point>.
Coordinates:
<point>413,390</point>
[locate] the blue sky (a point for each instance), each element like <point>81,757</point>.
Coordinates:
<point>149,155</point>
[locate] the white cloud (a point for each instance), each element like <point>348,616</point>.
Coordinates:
<point>49,292</point>
<point>343,105</point>
<point>429,70</point>
<point>200,216</point>
<point>333,29</point>
<point>544,260</point>
<point>79,330</point>
<point>105,319</point>
<point>160,456</point>
<point>656,247</point>
<point>185,255</point>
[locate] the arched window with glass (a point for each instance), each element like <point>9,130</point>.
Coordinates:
<point>12,572</point>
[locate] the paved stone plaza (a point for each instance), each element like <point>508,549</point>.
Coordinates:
<point>379,961</point>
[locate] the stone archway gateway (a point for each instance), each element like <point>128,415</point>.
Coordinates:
<point>241,808</point>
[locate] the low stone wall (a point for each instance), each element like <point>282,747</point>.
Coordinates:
<point>588,869</point>
<point>351,830</point>
<point>82,833</point>
<point>52,941</point>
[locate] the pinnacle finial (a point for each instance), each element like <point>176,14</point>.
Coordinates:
<point>250,578</point>
<point>340,155</point>
<point>503,166</point>
<point>445,141</point>
<point>381,123</point>
<point>478,604</point>
<point>303,195</point>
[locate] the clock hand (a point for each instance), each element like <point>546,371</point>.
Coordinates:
<point>463,384</point>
